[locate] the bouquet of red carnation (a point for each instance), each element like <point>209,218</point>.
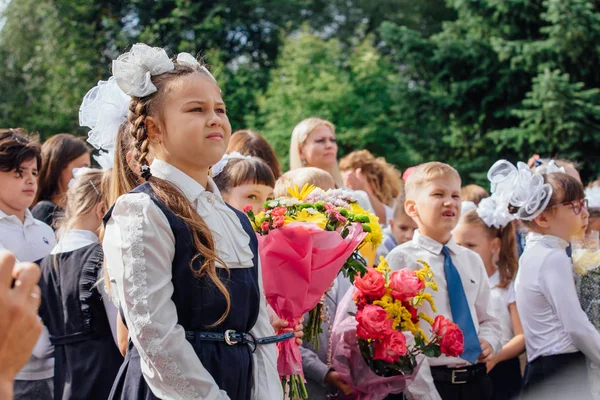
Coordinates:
<point>375,349</point>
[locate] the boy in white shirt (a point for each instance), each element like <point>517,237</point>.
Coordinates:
<point>433,202</point>
<point>400,229</point>
<point>29,239</point>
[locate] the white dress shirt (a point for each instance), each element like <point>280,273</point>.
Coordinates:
<point>552,318</point>
<point>502,298</point>
<point>139,249</point>
<point>30,240</point>
<point>477,290</point>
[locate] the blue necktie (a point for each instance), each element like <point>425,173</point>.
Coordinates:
<point>461,314</point>
<point>569,251</point>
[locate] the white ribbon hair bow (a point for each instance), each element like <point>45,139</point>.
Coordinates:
<point>493,211</point>
<point>466,206</point>
<point>78,172</point>
<point>103,109</point>
<point>134,70</point>
<point>188,59</point>
<point>550,168</point>
<point>519,187</point>
<point>218,167</point>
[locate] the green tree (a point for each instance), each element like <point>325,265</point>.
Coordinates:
<point>316,77</point>
<point>503,80</point>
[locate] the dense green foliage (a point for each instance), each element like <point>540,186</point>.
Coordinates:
<point>460,81</point>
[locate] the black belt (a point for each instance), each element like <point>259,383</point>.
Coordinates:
<point>560,359</point>
<point>457,376</point>
<point>231,338</point>
<point>71,338</point>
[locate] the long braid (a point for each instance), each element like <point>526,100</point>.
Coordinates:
<point>139,131</point>
<point>173,198</point>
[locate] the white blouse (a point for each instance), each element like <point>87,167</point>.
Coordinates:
<point>139,247</point>
<point>550,312</point>
<point>501,298</point>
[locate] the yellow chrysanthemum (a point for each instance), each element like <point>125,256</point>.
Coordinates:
<point>375,237</point>
<point>301,194</point>
<point>304,216</point>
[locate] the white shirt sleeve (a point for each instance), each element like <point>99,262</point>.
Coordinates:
<point>139,248</point>
<point>489,325</point>
<point>559,288</point>
<point>511,296</point>
<point>111,313</point>
<point>266,378</point>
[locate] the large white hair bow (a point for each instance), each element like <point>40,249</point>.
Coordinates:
<point>519,187</point>
<point>103,109</point>
<point>219,166</point>
<point>493,211</point>
<point>134,70</point>
<point>550,168</point>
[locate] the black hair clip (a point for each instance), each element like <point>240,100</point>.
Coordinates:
<point>146,174</point>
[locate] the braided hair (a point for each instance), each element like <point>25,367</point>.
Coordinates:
<point>173,198</point>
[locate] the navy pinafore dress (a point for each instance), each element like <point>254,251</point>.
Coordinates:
<point>86,357</point>
<point>199,305</point>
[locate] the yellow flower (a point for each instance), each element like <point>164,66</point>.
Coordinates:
<point>374,237</point>
<point>426,275</point>
<point>257,219</point>
<point>304,216</point>
<point>383,266</point>
<point>301,195</point>
<point>426,318</point>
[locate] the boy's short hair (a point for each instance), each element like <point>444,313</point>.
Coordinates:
<point>474,193</point>
<point>16,147</point>
<point>424,174</point>
<point>301,176</point>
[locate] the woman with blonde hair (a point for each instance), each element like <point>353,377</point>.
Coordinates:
<point>314,144</point>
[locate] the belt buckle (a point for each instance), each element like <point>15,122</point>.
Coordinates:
<point>453,380</point>
<point>228,339</point>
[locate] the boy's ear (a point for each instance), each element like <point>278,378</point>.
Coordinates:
<point>410,207</point>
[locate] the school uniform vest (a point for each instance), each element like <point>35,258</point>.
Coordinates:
<point>86,357</point>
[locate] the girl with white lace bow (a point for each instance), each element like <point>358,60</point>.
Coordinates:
<point>183,264</point>
<point>558,335</point>
<point>489,230</point>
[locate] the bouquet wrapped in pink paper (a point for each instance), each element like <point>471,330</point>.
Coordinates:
<point>305,240</point>
<point>335,211</point>
<point>369,338</point>
<point>299,262</point>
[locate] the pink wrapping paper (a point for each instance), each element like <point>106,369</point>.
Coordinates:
<point>348,361</point>
<point>299,263</point>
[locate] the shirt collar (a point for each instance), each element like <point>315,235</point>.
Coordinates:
<point>433,246</point>
<point>29,219</point>
<point>550,240</point>
<point>74,239</point>
<point>189,186</point>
